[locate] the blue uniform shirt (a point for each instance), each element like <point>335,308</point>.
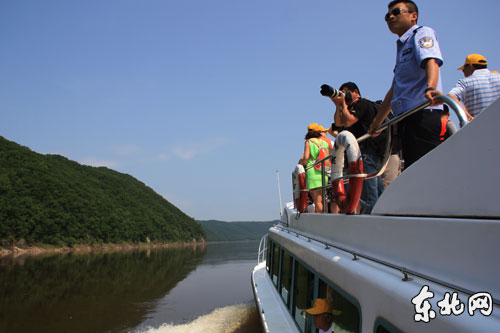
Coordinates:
<point>410,80</point>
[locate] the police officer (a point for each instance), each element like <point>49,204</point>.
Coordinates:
<point>416,75</point>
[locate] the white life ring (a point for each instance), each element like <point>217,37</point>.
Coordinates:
<point>300,189</point>
<point>346,142</point>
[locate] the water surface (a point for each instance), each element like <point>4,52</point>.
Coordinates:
<point>222,279</point>
<point>125,291</point>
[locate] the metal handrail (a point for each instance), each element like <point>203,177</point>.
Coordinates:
<point>459,111</point>
<point>262,254</point>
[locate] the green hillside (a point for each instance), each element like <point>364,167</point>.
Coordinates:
<point>51,200</point>
<point>218,231</point>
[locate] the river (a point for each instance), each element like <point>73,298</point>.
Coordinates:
<point>192,289</point>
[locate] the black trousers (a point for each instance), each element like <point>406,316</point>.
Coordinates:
<point>419,134</point>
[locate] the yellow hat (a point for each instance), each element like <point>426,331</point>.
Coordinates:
<point>316,127</point>
<point>322,305</point>
<point>312,127</point>
<point>474,59</point>
<point>496,72</point>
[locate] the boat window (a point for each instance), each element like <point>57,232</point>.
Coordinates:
<point>346,316</point>
<point>286,276</point>
<point>383,326</point>
<point>275,267</point>
<point>269,253</point>
<point>302,296</point>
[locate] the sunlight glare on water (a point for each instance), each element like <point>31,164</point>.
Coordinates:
<point>234,318</point>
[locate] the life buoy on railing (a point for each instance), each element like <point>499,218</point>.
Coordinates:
<point>346,142</point>
<point>300,188</point>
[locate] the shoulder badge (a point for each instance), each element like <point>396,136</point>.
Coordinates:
<point>426,42</point>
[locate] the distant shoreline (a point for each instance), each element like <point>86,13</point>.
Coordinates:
<point>34,250</point>
<point>234,241</point>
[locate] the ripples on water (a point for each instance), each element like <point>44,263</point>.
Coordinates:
<point>236,318</point>
<point>217,295</point>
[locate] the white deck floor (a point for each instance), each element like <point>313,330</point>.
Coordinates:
<point>272,310</point>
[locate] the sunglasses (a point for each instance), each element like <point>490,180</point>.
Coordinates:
<point>396,11</point>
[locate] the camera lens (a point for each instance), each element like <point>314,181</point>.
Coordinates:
<point>328,91</point>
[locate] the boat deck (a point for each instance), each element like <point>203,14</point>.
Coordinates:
<point>274,314</point>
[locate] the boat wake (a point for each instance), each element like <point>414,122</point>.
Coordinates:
<point>235,318</point>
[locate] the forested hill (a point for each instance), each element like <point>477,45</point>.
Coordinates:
<point>219,231</point>
<point>52,200</point>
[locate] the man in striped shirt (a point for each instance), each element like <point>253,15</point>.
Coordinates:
<point>479,88</point>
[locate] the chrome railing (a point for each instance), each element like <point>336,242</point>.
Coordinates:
<point>262,254</point>
<point>459,111</point>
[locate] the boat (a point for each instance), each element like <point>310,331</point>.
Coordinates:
<point>423,260</point>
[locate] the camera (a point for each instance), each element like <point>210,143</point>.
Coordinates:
<point>328,91</point>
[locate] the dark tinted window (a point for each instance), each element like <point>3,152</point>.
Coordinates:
<point>286,277</point>
<point>302,296</point>
<point>346,317</point>
<point>269,255</point>
<point>275,266</point>
<point>383,326</point>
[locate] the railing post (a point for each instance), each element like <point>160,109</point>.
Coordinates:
<point>323,189</point>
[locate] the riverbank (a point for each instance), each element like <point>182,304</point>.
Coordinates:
<point>18,249</point>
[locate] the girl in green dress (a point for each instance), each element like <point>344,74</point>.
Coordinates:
<point>313,176</point>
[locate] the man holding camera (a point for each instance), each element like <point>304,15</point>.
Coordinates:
<point>416,76</point>
<point>355,114</point>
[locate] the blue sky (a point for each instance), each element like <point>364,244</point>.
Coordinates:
<point>204,100</point>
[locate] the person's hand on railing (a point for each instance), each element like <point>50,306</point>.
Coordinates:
<point>467,116</point>
<point>430,94</point>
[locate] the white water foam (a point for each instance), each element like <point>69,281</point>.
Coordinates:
<point>228,319</point>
